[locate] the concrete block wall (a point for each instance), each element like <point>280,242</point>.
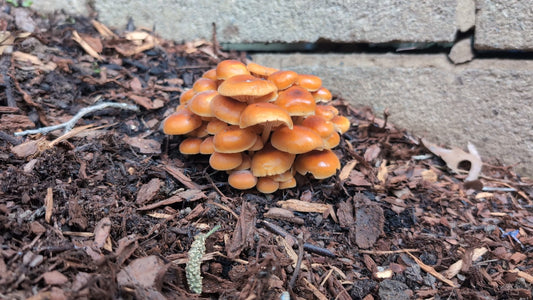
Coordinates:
<point>451,97</point>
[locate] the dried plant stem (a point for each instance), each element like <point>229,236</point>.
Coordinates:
<point>72,122</point>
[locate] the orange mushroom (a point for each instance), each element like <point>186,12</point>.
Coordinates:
<point>234,139</point>
<point>242,179</point>
<point>321,164</point>
<point>322,95</point>
<point>207,146</point>
<point>227,109</point>
<point>341,123</point>
<point>267,114</point>
<point>283,79</point>
<point>190,145</point>
<point>309,82</point>
<point>211,74</point>
<point>271,161</point>
<point>266,185</point>
<point>247,88</point>
<point>186,96</point>
<point>200,104</point>
<point>299,139</point>
<point>225,161</point>
<point>181,122</point>
<point>297,101</point>
<point>229,68</point>
<point>204,84</point>
<point>259,70</point>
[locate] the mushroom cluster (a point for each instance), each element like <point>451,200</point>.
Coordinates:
<point>259,124</point>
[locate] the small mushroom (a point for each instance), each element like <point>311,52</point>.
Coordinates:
<point>234,139</point>
<point>259,70</point>
<point>225,161</point>
<point>309,82</point>
<point>321,164</point>
<point>297,140</point>
<point>297,101</point>
<point>271,161</point>
<point>247,88</point>
<point>229,68</point>
<point>190,145</point>
<point>242,179</point>
<point>181,122</point>
<point>283,79</point>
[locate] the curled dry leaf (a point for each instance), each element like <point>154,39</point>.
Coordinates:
<point>453,157</point>
<point>101,232</point>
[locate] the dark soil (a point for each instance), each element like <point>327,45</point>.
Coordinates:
<point>111,211</point>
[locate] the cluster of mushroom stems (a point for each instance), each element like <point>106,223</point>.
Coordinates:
<point>259,124</point>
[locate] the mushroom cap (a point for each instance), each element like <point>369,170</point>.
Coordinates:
<point>321,164</point>
<point>266,185</point>
<point>229,68</point>
<point>297,101</point>
<point>242,179</point>
<point>234,139</point>
<point>323,127</point>
<point>246,162</point>
<point>246,87</point>
<point>322,95</point>
<point>186,96</point>
<point>284,176</point>
<point>309,82</point>
<point>287,184</point>
<point>259,70</point>
<point>262,113</point>
<point>215,125</point>
<point>211,74</point>
<point>200,131</point>
<point>332,141</point>
<point>283,79</point>
<point>204,84</point>
<point>270,161</point>
<point>181,122</point>
<point>341,123</point>
<point>299,139</point>
<point>225,161</point>
<point>326,111</point>
<point>227,109</point>
<point>200,104</point>
<point>190,145</point>
<point>207,146</point>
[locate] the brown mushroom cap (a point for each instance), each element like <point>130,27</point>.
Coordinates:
<point>227,109</point>
<point>207,146</point>
<point>259,70</point>
<point>211,74</point>
<point>266,185</point>
<point>225,161</point>
<point>186,96</point>
<point>270,161</point>
<point>288,184</point>
<point>283,79</point>
<point>341,123</point>
<point>234,139</point>
<point>297,101</point>
<point>246,87</point>
<point>322,95</point>
<point>200,104</point>
<point>326,111</point>
<point>190,145</point>
<point>321,164</point>
<point>332,141</point>
<point>299,139</point>
<point>309,82</point>
<point>262,113</point>
<point>215,125</point>
<point>229,68</point>
<point>323,127</point>
<point>204,84</point>
<point>245,164</point>
<point>242,179</point>
<point>181,122</point>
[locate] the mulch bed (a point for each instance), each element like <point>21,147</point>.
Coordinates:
<point>110,209</point>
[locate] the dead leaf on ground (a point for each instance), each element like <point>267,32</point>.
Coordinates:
<point>145,272</point>
<point>453,157</point>
<point>146,146</point>
<point>101,232</point>
<point>13,122</point>
<point>148,190</point>
<point>358,179</point>
<point>372,152</point>
<point>242,235</point>
<point>369,222</point>
<point>126,246</point>
<point>54,278</point>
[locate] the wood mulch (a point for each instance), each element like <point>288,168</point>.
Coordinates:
<point>110,209</point>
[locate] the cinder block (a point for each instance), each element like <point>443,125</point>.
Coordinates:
<point>289,21</point>
<point>504,25</point>
<point>486,102</point>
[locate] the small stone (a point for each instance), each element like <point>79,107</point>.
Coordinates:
<point>465,14</point>
<point>393,290</point>
<point>461,52</point>
<point>24,20</point>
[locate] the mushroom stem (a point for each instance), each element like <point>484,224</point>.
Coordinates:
<point>266,132</point>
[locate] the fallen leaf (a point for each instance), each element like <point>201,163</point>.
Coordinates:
<point>372,152</point>
<point>358,179</point>
<point>126,246</point>
<point>54,278</point>
<point>242,235</point>
<point>369,222</point>
<point>383,171</point>
<point>145,272</point>
<point>345,172</point>
<point>27,149</point>
<point>101,232</point>
<point>146,146</point>
<point>453,157</point>
<point>148,190</point>
<point>90,50</point>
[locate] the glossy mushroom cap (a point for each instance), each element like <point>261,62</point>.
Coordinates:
<point>200,104</point>
<point>322,95</point>
<point>229,68</point>
<point>321,164</point>
<point>299,139</point>
<point>261,113</point>
<point>323,127</point>
<point>242,180</point>
<point>283,79</point>
<point>227,109</point>
<point>259,70</point>
<point>341,123</point>
<point>297,101</point>
<point>211,74</point>
<point>190,145</point>
<point>326,111</point>
<point>234,139</point>
<point>267,185</point>
<point>309,82</point>
<point>207,146</point>
<point>246,88</point>
<point>204,84</point>
<point>270,161</point>
<point>225,161</point>
<point>181,122</point>
<point>186,96</point>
